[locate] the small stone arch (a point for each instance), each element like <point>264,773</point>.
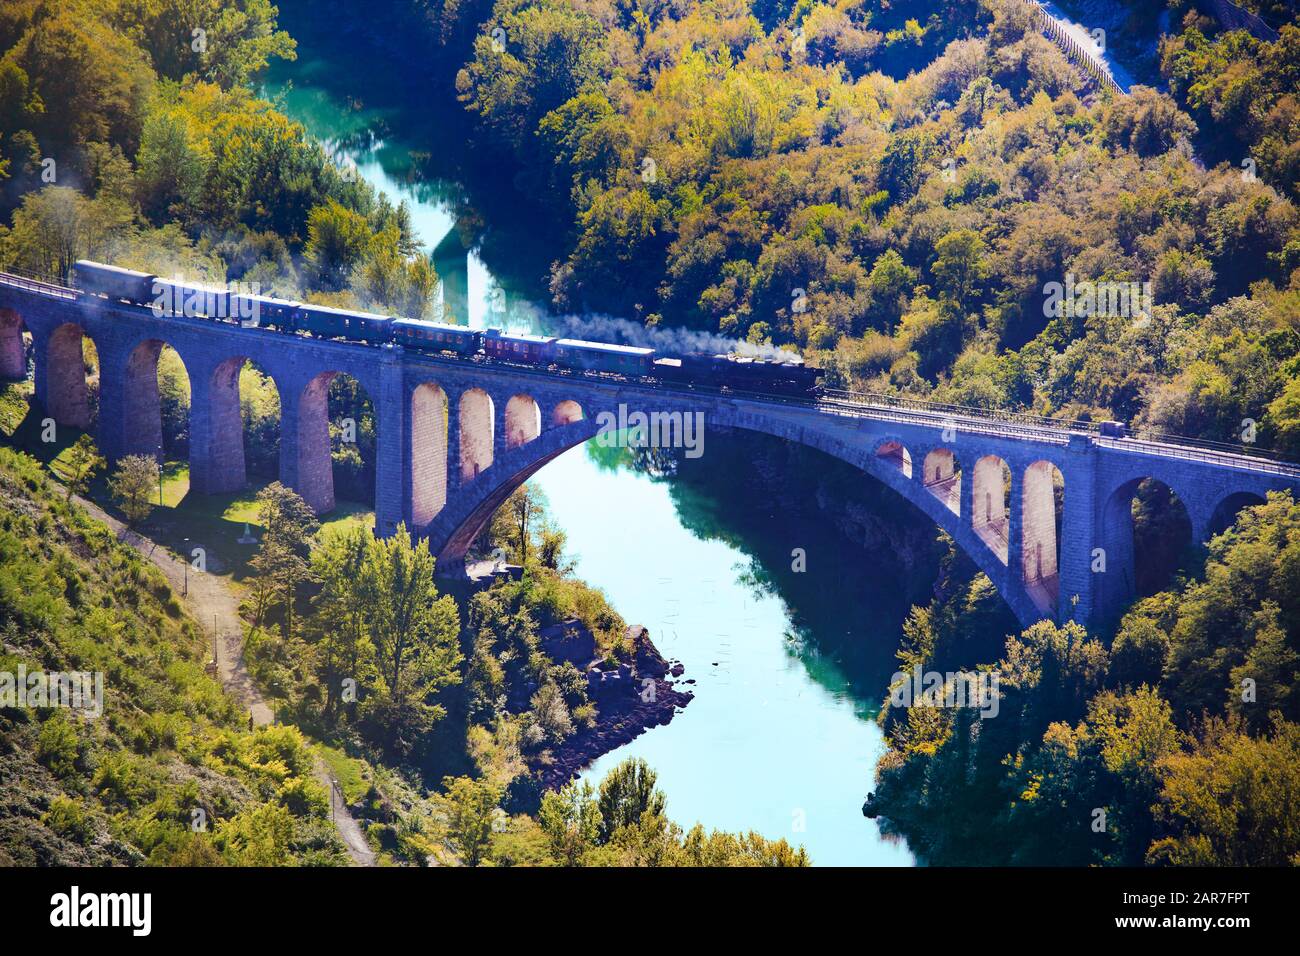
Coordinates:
<point>428,452</point>
<point>475,420</point>
<point>523,420</point>
<point>941,476</point>
<point>1224,515</point>
<point>1041,508</point>
<point>991,514</point>
<point>896,456</point>
<point>566,413</point>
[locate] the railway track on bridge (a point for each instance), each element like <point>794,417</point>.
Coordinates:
<point>844,403</point>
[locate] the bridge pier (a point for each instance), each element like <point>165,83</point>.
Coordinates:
<point>140,414</point>
<point>453,445</point>
<point>305,462</point>
<point>13,357</point>
<point>1015,524</point>
<point>217,463</point>
<point>1077,597</point>
<point>61,377</point>
<point>500,424</point>
<point>393,428</point>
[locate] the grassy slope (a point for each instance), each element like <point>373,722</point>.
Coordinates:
<point>124,788</point>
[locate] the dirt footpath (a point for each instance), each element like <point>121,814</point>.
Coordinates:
<point>212,604</point>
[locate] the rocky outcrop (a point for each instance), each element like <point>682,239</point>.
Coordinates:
<point>644,695</point>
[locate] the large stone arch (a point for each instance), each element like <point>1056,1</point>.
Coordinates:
<point>523,420</point>
<point>67,391</point>
<point>13,354</point>
<point>429,423</point>
<point>454,530</point>
<point>476,422</point>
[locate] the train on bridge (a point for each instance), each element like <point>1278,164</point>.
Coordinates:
<point>171,297</point>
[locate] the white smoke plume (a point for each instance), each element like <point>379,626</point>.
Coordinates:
<point>669,341</point>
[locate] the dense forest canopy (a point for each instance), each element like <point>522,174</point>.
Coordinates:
<point>895,192</point>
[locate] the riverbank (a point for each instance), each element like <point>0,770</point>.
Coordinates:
<point>642,698</point>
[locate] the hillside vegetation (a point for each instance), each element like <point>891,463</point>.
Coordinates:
<point>170,773</point>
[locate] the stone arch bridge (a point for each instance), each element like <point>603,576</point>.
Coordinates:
<point>1043,508</point>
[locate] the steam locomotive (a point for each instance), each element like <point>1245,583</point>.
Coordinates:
<point>168,297</point>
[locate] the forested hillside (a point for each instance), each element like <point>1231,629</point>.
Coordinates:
<point>891,190</point>
<point>1174,743</point>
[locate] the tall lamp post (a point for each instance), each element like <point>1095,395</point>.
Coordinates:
<point>185,561</point>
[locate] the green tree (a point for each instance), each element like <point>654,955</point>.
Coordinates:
<point>627,794</point>
<point>415,636</point>
<point>340,617</point>
<point>473,810</point>
<point>133,485</point>
<point>82,463</point>
<point>961,264</point>
<point>570,818</point>
<point>281,561</point>
<point>338,241</point>
<point>1230,801</point>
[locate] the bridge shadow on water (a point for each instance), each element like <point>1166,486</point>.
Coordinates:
<point>867,559</point>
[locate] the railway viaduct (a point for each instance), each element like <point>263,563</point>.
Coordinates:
<point>1043,508</point>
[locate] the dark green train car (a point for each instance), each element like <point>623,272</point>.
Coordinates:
<point>328,323</point>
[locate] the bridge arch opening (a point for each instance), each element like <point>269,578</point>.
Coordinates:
<point>523,420</point>
<point>1042,504</point>
<point>566,413</point>
<point>455,534</point>
<point>991,490</point>
<point>429,421</point>
<point>71,377</point>
<point>475,420</point>
<point>336,442</point>
<point>156,403</point>
<point>941,475</point>
<point>1146,539</point>
<point>1226,511</point>
<point>895,455</point>
<point>13,346</point>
